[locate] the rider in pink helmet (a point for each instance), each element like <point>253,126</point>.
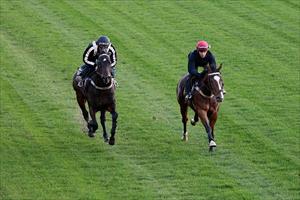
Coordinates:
<point>202,45</point>
<point>199,57</point>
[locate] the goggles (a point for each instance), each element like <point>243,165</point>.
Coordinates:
<point>202,50</point>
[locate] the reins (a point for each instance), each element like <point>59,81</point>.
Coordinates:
<point>204,95</point>
<point>201,92</point>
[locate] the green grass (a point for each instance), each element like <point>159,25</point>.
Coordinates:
<point>45,154</point>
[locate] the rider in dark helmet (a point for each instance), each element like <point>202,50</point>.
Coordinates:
<point>200,57</point>
<point>91,53</point>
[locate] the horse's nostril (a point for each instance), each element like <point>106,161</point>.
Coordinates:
<point>219,99</point>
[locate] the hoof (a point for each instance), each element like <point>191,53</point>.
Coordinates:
<point>111,141</point>
<point>185,137</point>
<point>193,123</point>
<point>91,130</point>
<point>212,145</point>
<point>91,134</point>
<point>105,139</point>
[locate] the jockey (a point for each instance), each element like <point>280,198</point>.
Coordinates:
<point>200,57</point>
<point>91,53</point>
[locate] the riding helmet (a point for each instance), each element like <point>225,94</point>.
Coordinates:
<point>103,40</point>
<point>202,45</point>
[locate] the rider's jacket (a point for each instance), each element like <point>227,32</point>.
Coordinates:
<point>195,61</point>
<point>90,54</point>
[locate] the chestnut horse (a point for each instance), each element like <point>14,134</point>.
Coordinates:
<point>99,92</point>
<point>207,95</point>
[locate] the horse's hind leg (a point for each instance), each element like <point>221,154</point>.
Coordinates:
<point>184,119</point>
<point>102,119</point>
<point>81,102</point>
<point>195,119</point>
<point>114,116</point>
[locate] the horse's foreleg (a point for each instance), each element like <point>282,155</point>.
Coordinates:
<point>203,116</point>
<point>102,120</point>
<point>92,125</point>
<point>184,119</point>
<point>212,122</point>
<point>81,102</point>
<point>114,116</point>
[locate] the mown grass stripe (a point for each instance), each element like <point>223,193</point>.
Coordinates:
<point>254,15</point>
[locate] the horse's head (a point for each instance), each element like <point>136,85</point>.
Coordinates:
<point>103,68</point>
<point>216,83</point>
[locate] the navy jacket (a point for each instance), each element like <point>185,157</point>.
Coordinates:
<point>195,61</point>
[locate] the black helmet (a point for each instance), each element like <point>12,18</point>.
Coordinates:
<point>103,44</point>
<point>103,40</point>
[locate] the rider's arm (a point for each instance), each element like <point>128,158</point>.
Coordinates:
<point>212,62</point>
<point>192,66</point>
<point>87,54</point>
<point>113,55</point>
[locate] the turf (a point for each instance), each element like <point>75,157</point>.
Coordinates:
<point>45,153</point>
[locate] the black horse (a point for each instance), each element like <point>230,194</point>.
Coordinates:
<point>207,95</point>
<point>99,92</point>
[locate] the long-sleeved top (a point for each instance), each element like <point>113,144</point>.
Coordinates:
<point>195,61</point>
<point>90,54</point>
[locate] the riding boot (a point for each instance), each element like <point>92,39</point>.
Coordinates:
<point>188,91</point>
<point>188,96</point>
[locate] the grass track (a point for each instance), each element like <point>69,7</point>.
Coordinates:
<point>45,155</point>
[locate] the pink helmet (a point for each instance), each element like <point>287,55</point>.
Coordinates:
<point>202,45</point>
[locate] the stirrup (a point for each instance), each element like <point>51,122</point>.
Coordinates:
<point>188,97</point>
<point>80,84</point>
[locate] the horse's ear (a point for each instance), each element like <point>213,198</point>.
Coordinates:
<point>220,67</point>
<point>208,68</point>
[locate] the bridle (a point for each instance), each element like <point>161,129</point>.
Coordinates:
<point>112,81</point>
<point>197,88</point>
